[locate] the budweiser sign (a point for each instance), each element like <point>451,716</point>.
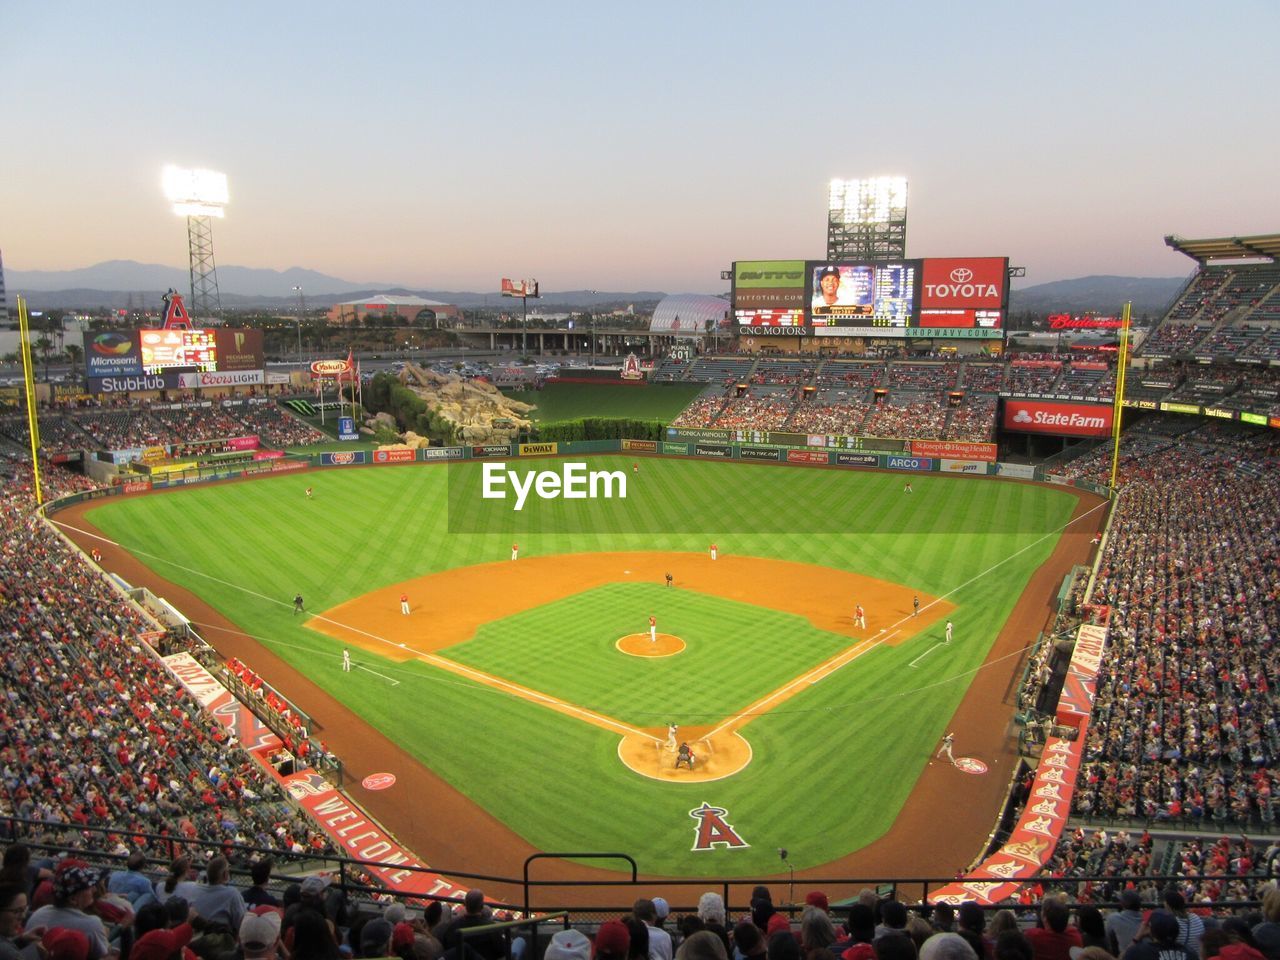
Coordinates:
<point>1063,321</point>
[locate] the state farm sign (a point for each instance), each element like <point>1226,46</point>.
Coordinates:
<point>976,282</point>
<point>1065,419</point>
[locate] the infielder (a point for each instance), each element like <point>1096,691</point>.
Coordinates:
<point>714,551</point>
<point>860,616</point>
<point>948,640</point>
<point>915,606</point>
<point>515,550</point>
<point>946,748</point>
<point>404,604</point>
<point>346,661</point>
<point>653,629</point>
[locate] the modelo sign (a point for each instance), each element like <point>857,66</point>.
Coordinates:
<point>1062,419</point>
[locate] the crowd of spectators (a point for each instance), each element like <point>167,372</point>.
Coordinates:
<point>974,420</point>
<point>909,416</point>
<point>1186,721</point>
<point>93,729</point>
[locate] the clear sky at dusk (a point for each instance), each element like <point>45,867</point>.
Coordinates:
<point>637,146</point>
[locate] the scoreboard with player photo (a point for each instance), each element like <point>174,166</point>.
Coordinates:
<point>862,294</point>
<point>823,297</point>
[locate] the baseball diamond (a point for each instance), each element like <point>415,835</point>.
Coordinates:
<point>776,688</point>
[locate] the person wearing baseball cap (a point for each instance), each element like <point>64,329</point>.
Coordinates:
<point>259,934</point>
<point>164,945</point>
<point>73,884</point>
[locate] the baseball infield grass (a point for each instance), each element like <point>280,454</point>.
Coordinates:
<point>830,767</point>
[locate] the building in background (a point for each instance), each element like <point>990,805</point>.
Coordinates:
<point>393,309</point>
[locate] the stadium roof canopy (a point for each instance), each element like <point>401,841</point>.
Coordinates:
<point>688,314</point>
<point>1266,246</point>
<point>388,300</point>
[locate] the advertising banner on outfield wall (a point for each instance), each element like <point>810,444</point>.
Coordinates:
<point>640,446</point>
<point>976,467</point>
<point>680,449</point>
<point>1020,470</point>
<point>807,456</point>
<point>908,463</point>
<point>857,459</point>
<point>342,459</point>
<point>1061,419</point>
<point>959,449</point>
<point>395,455</point>
<point>490,450</point>
<point>715,436</point>
<point>760,453</point>
<point>442,453</point>
<point>538,449</point>
<point>720,450</point>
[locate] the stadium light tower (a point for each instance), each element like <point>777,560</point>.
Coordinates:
<point>199,195</point>
<point>867,219</point>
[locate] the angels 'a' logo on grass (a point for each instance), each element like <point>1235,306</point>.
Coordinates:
<point>713,829</point>
<point>970,765</point>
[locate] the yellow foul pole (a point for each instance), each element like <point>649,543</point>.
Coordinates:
<point>1122,369</point>
<point>29,387</point>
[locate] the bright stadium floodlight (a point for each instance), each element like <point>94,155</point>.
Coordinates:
<point>867,219</point>
<point>199,195</point>
<point>195,193</point>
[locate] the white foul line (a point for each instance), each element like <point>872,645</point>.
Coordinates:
<point>925,654</point>
<point>394,682</point>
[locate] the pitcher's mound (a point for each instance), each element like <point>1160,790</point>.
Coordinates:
<point>639,645</point>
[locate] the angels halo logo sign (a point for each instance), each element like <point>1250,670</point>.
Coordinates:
<point>378,781</point>
<point>970,765</point>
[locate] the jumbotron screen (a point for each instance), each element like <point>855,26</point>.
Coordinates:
<point>862,294</point>
<point>865,298</point>
<point>189,350</point>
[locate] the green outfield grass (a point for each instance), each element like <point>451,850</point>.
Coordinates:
<point>831,767</point>
<point>570,401</point>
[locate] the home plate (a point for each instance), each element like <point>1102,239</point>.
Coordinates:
<point>970,765</point>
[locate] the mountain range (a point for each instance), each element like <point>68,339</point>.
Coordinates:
<point>120,284</point>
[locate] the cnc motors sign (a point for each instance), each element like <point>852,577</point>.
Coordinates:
<point>1063,419</point>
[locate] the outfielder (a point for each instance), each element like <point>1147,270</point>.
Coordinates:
<point>948,631</point>
<point>515,550</point>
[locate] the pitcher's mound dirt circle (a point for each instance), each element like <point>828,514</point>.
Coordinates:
<point>639,645</point>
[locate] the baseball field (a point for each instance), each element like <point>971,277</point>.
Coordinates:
<point>523,703</point>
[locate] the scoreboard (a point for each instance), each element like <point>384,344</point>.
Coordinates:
<point>931,297</point>
<point>171,351</point>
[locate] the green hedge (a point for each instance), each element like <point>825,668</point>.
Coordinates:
<point>598,428</point>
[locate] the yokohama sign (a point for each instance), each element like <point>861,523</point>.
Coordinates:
<point>1063,419</point>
